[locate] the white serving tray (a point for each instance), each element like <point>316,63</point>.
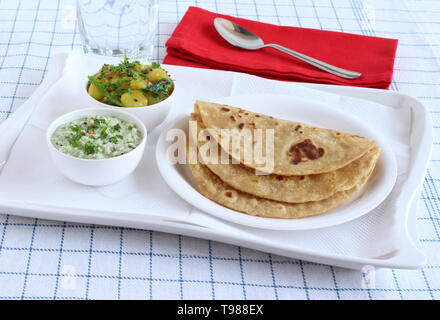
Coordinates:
<point>198,224</point>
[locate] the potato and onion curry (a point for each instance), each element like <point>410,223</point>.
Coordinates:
<point>130,84</point>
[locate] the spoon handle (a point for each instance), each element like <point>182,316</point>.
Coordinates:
<point>343,73</point>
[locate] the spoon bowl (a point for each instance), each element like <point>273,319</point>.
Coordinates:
<point>237,35</point>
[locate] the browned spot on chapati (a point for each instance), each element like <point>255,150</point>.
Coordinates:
<point>304,151</point>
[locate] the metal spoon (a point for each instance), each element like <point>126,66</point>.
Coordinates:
<point>243,38</point>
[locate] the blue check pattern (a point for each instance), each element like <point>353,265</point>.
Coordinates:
<point>59,260</point>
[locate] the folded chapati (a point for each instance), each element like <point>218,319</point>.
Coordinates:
<point>291,189</point>
<point>298,148</point>
<point>213,188</point>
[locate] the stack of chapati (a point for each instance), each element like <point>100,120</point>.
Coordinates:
<point>313,170</point>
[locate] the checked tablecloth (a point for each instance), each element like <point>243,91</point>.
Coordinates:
<point>58,260</point>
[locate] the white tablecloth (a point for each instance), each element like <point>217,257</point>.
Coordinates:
<point>59,260</point>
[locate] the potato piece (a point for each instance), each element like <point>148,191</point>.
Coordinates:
<point>141,67</point>
<point>134,99</point>
<point>95,93</point>
<point>154,98</point>
<point>157,74</point>
<point>138,84</point>
<point>124,82</point>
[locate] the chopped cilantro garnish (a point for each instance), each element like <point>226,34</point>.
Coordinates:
<point>104,133</point>
<point>155,65</point>
<point>116,127</point>
<point>126,66</point>
<point>76,136</point>
<point>161,86</point>
<point>115,85</point>
<point>99,121</point>
<point>96,124</point>
<point>90,148</point>
<point>114,139</point>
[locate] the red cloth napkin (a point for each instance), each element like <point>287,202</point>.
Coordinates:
<point>196,43</point>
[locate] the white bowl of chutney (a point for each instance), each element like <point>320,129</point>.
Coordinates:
<point>96,146</point>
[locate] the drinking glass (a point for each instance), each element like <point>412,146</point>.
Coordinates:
<point>118,27</point>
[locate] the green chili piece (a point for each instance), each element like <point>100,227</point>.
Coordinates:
<point>104,91</point>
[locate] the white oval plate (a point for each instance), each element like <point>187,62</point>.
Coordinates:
<point>369,197</point>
